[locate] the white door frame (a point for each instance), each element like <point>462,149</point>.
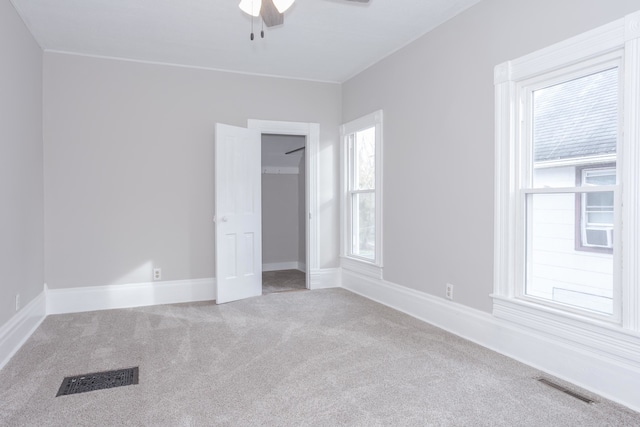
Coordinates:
<point>312,133</point>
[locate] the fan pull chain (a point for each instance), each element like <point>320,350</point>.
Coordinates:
<point>252,27</point>
<point>262,31</point>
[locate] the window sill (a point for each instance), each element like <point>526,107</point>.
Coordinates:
<point>363,267</point>
<point>599,337</point>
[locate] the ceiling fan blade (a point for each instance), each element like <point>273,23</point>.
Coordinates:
<point>270,14</point>
<point>360,1</point>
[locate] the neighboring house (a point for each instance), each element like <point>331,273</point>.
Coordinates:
<point>575,135</point>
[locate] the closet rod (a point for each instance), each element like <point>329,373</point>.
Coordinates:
<point>293,151</point>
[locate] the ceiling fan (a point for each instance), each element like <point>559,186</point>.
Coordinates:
<point>271,11</point>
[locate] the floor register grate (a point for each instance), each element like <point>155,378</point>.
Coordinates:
<point>566,390</point>
<point>98,381</point>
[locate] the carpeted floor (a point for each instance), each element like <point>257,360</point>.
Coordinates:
<point>323,358</point>
<point>283,281</point>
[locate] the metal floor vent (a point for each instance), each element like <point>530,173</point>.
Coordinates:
<point>566,390</point>
<point>98,381</point>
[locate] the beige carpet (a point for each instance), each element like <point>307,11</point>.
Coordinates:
<point>316,358</point>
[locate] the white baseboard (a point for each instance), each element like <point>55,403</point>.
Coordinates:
<point>74,300</point>
<point>277,266</point>
<point>607,376</point>
<point>326,278</point>
<point>19,328</point>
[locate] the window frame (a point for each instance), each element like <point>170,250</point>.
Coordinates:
<point>525,187</point>
<point>620,41</point>
<point>373,120</point>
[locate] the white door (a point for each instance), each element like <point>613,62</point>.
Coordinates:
<point>238,213</point>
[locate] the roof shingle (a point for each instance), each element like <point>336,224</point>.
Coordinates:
<point>578,118</point>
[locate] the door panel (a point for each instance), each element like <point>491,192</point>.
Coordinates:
<point>238,216</point>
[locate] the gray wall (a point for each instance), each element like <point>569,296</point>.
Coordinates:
<point>280,218</point>
<point>21,187</point>
<point>129,164</point>
<point>438,101</point>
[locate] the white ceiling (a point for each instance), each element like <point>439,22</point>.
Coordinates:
<point>324,40</point>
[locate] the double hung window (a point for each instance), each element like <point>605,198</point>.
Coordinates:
<point>567,181</point>
<point>362,180</point>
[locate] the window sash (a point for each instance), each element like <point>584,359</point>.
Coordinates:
<point>362,245</point>
<point>357,167</point>
<point>528,270</point>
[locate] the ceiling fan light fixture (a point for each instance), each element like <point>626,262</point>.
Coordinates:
<point>283,5</point>
<point>251,7</point>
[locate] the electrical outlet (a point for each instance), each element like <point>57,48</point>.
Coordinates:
<point>449,291</point>
<point>17,302</point>
<point>157,273</point>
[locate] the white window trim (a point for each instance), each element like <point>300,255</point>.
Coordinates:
<point>372,268</point>
<point>621,339</point>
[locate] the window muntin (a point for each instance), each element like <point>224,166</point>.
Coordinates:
<point>572,123</point>
<point>363,159</point>
<point>363,239</point>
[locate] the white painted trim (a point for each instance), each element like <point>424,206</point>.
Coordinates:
<point>312,191</point>
<point>632,26</point>
<point>597,337</point>
<point>277,170</point>
<point>19,328</point>
<point>631,179</point>
<point>277,266</point>
<point>614,378</point>
<point>596,42</point>
<point>326,278</point>
<point>191,67</point>
<point>75,300</point>
<point>361,267</point>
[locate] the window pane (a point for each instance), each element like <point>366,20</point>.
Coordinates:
<point>599,208</point>
<point>364,225</point>
<point>572,121</point>
<point>603,176</point>
<point>365,159</point>
<point>555,270</point>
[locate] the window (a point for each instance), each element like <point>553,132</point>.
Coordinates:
<point>595,213</point>
<point>362,179</point>
<point>567,183</point>
<point>569,118</point>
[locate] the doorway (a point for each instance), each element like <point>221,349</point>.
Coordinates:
<point>283,170</point>
<point>311,134</point>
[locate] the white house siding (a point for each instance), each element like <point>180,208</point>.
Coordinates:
<point>557,271</point>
